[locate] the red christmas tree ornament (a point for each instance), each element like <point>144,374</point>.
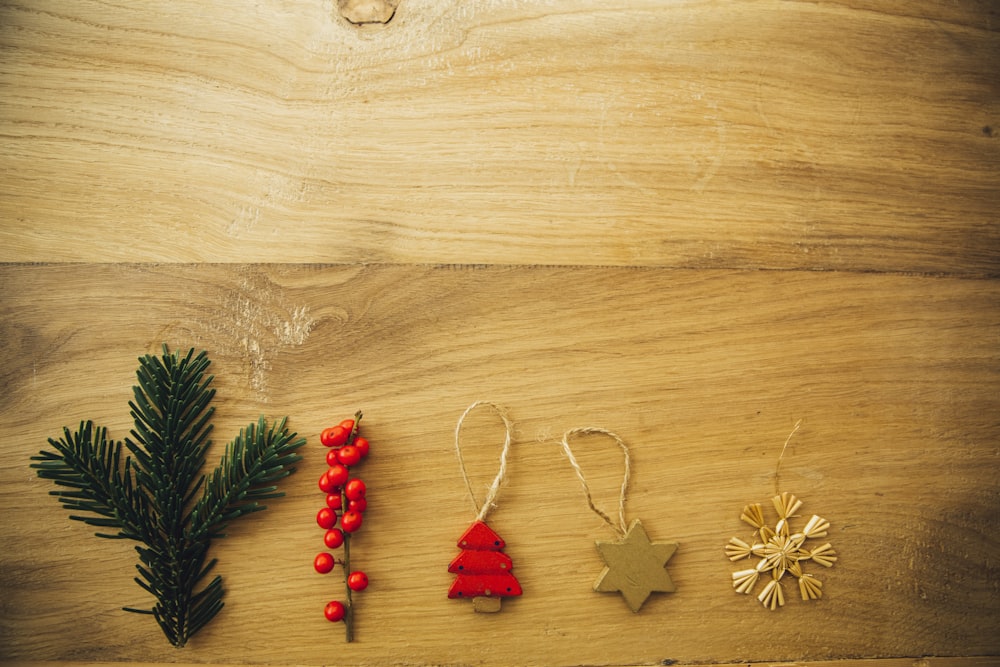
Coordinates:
<point>482,571</point>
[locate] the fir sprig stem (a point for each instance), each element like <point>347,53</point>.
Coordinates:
<point>150,497</point>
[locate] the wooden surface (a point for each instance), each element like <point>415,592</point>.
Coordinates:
<point>692,223</point>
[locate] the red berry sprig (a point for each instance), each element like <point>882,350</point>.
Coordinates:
<point>346,501</point>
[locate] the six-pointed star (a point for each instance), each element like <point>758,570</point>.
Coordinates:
<point>635,566</point>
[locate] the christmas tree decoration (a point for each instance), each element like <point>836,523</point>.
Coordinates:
<point>482,571</point>
<point>780,549</point>
<point>158,497</point>
<point>634,565</point>
<point>348,495</point>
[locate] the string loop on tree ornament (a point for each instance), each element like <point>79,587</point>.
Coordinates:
<point>482,571</point>
<point>622,526</point>
<point>489,502</point>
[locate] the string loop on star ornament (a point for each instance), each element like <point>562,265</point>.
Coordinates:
<point>635,565</point>
<point>489,501</point>
<point>622,526</point>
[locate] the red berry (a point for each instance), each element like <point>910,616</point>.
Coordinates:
<point>334,501</point>
<point>326,518</point>
<point>351,521</point>
<point>354,489</point>
<point>333,538</point>
<point>334,436</point>
<point>358,581</point>
<point>323,563</point>
<point>331,457</point>
<point>359,505</point>
<point>337,475</point>
<point>334,611</point>
<point>347,424</point>
<point>326,485</point>
<point>348,455</point>
<point>362,446</point>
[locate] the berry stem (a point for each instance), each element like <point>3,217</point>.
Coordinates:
<point>349,615</point>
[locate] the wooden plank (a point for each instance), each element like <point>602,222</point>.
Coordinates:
<point>974,661</point>
<point>703,373</point>
<point>838,135</point>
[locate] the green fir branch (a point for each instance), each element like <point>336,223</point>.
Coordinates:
<point>254,461</point>
<point>91,465</point>
<point>171,415</point>
<point>150,496</point>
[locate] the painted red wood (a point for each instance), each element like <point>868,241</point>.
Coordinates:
<point>481,536</point>
<point>487,585</point>
<point>482,569</point>
<point>480,562</point>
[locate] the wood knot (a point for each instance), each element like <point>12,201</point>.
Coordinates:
<point>367,12</point>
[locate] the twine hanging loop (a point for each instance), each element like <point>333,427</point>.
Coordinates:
<point>622,527</point>
<point>777,466</point>
<point>489,502</point>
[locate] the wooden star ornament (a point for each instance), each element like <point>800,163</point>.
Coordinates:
<point>635,566</point>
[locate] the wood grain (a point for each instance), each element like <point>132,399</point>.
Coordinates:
<point>975,661</point>
<point>691,222</point>
<point>704,372</point>
<point>852,135</point>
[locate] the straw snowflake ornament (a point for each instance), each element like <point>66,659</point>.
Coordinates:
<point>780,550</point>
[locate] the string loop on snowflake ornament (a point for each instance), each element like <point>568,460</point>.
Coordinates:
<point>622,526</point>
<point>489,502</point>
<point>780,549</point>
<point>777,466</point>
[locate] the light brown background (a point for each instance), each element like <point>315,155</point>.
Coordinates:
<point>693,223</point>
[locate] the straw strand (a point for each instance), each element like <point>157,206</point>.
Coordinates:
<point>777,467</point>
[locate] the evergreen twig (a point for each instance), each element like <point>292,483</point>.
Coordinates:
<point>152,496</point>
